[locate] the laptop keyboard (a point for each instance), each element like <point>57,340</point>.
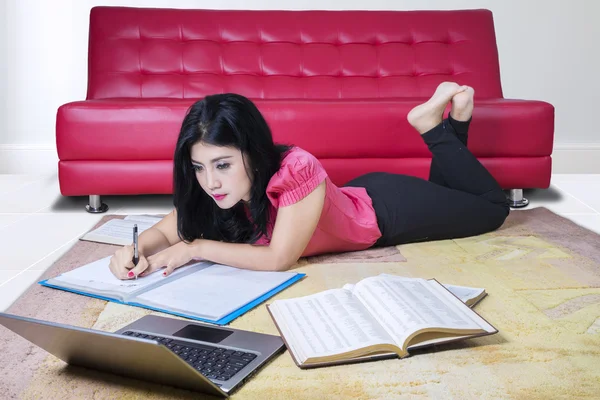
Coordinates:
<point>211,361</point>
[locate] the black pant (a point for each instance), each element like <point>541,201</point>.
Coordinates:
<point>460,199</point>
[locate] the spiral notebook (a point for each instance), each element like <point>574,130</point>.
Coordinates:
<point>203,291</point>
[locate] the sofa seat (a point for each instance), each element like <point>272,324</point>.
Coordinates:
<point>133,140</point>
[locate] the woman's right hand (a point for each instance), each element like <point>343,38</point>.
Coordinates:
<point>122,262</point>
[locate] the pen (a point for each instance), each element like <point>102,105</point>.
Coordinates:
<point>136,257</point>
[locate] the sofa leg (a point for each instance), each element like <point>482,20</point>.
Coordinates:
<point>516,199</point>
<point>96,205</point>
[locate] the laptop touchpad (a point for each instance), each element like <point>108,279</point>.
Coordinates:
<point>204,334</point>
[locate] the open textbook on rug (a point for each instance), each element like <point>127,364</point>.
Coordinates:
<point>378,317</point>
<point>202,290</point>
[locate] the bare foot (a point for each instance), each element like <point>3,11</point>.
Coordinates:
<point>462,105</point>
<point>426,116</point>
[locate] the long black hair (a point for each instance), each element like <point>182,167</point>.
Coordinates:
<point>234,121</point>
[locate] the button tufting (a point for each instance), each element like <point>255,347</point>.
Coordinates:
<point>278,55</point>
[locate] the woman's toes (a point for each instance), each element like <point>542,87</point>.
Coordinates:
<point>462,105</point>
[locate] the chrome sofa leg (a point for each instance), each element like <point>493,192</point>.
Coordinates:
<point>516,199</point>
<point>96,205</point>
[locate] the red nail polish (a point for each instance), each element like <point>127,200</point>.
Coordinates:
<point>165,273</point>
<point>130,274</point>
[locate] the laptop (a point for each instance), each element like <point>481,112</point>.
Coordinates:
<point>191,355</point>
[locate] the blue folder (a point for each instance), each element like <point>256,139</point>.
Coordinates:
<point>223,321</point>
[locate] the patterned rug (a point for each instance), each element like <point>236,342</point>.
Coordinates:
<point>542,273</point>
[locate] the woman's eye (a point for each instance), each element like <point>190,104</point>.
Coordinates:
<point>223,166</point>
<point>197,168</point>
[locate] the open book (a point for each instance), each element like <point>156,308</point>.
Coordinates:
<point>120,231</point>
<point>202,290</point>
<point>379,317</point>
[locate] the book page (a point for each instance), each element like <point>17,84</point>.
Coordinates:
<point>96,278</point>
<point>327,323</point>
<point>404,305</point>
<point>464,293</point>
<point>215,291</point>
<point>467,313</point>
<point>120,231</point>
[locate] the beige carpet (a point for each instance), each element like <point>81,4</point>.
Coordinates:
<point>542,273</point>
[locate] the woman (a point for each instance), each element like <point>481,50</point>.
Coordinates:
<point>243,201</point>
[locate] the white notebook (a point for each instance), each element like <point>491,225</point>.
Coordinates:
<point>120,231</point>
<point>202,290</point>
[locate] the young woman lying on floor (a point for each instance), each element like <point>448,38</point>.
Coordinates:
<point>243,201</point>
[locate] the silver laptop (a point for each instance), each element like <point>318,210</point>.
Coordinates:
<point>191,355</point>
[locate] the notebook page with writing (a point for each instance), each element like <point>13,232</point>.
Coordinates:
<point>213,292</point>
<point>120,231</point>
<point>97,278</point>
<point>143,218</point>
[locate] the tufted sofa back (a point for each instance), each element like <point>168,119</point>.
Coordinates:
<point>177,53</point>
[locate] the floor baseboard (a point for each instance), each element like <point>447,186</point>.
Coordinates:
<point>576,158</point>
<point>567,158</point>
<point>36,159</point>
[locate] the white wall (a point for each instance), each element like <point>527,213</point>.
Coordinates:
<point>3,70</point>
<point>548,51</point>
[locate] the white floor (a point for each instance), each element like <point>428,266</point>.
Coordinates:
<point>38,225</point>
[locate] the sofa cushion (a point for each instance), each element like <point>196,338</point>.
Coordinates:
<point>177,53</point>
<point>140,129</point>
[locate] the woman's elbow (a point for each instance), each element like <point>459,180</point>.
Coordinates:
<point>282,263</point>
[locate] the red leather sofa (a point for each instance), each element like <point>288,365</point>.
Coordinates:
<point>336,83</point>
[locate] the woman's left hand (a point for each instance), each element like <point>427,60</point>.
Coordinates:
<point>172,257</point>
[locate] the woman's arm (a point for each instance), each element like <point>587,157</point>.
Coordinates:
<point>160,236</point>
<point>294,227</point>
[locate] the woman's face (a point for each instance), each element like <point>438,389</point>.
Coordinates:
<point>222,173</point>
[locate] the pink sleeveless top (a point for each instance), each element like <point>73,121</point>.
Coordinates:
<point>348,221</point>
